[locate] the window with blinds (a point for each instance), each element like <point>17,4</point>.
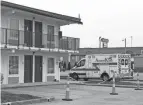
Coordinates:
<point>13,64</point>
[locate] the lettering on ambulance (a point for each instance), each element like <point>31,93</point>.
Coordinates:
<point>105,60</point>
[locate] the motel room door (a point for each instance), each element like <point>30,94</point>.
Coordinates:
<point>28,68</point>
<point>38,68</point>
<point>38,34</point>
<point>28,32</point>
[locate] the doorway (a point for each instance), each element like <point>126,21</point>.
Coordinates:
<point>38,68</point>
<point>28,32</point>
<point>28,68</point>
<point>38,34</point>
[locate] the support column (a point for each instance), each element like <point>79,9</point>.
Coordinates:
<point>69,58</point>
<point>33,79</point>
<point>33,34</point>
<point>58,70</point>
<point>125,45</point>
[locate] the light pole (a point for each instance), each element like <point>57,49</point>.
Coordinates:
<point>125,44</point>
<point>131,40</point>
<point>100,42</point>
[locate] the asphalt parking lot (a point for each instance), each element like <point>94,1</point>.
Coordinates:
<point>84,95</point>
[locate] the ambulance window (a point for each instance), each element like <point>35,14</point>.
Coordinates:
<point>122,62</point>
<point>126,61</point>
<point>81,63</point>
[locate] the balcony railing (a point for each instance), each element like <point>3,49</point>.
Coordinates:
<point>38,39</point>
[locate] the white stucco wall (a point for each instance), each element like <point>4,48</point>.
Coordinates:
<point>6,23</point>
<point>5,65</point>
<point>46,55</point>
<point>21,15</point>
<point>45,23</point>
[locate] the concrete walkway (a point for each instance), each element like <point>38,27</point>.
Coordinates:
<point>84,95</point>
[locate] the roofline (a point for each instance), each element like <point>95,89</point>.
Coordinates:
<point>109,47</point>
<point>41,12</point>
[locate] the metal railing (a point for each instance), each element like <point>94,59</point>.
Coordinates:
<point>38,39</point>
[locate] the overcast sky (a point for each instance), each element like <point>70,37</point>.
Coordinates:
<point>112,19</point>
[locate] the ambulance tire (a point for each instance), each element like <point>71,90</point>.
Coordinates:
<point>75,76</point>
<point>105,77</point>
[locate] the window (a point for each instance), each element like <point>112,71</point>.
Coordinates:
<point>50,33</point>
<point>50,36</point>
<point>126,62</point>
<point>122,62</point>
<point>13,64</point>
<point>51,67</point>
<point>81,63</point>
<point>14,26</point>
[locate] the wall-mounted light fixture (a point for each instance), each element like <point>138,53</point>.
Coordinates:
<point>13,50</point>
<point>13,11</point>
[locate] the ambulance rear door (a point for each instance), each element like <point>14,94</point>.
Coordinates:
<point>125,64</point>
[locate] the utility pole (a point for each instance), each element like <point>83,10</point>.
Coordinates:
<point>100,42</point>
<point>125,45</point>
<point>131,40</point>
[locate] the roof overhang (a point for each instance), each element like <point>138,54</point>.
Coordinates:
<point>42,12</point>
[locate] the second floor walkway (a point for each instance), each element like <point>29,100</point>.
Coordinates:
<point>38,40</point>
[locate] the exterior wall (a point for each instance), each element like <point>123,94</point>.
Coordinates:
<point>135,50</point>
<point>66,43</point>
<point>6,22</point>
<point>45,23</point>
<point>138,64</point>
<point>5,67</point>
<point>20,77</point>
<point>140,76</point>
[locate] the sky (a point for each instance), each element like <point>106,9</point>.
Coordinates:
<point>111,19</point>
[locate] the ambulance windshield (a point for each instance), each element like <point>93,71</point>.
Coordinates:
<point>81,63</point>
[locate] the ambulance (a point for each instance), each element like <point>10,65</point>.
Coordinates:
<point>102,66</point>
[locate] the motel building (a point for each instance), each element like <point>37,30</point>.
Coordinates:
<point>32,43</point>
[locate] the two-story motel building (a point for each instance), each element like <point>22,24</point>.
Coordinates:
<point>32,43</point>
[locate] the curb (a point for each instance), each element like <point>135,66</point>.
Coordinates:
<point>132,80</point>
<point>32,101</point>
<point>22,86</point>
<point>38,85</point>
<point>121,86</point>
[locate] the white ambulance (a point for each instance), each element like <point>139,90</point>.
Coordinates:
<point>102,66</point>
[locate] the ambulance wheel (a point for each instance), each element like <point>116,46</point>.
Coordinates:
<point>75,76</point>
<point>85,79</point>
<point>105,77</point>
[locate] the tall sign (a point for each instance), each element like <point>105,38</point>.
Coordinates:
<point>104,42</point>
